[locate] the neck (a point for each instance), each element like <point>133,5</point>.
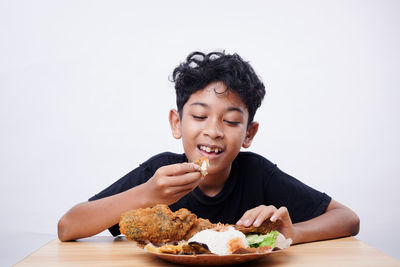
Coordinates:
<point>214,182</point>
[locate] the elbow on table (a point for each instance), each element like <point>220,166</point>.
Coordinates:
<point>63,230</point>
<point>354,224</point>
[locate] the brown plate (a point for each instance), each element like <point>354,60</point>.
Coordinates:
<point>211,259</point>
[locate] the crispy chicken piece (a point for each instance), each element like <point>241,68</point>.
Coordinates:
<point>159,225</point>
<point>176,248</point>
<point>266,227</point>
<point>203,163</point>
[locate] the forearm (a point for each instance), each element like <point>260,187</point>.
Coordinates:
<point>337,221</point>
<point>92,217</point>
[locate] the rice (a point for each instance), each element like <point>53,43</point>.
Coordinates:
<point>221,241</point>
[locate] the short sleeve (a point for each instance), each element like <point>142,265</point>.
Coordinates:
<point>130,180</point>
<point>302,201</point>
<point>136,177</point>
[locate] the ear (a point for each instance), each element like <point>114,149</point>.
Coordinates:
<point>175,123</point>
<point>251,132</point>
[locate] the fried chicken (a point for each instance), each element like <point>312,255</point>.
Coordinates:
<point>203,163</point>
<point>266,227</point>
<point>160,225</point>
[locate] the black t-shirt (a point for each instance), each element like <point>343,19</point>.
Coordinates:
<point>253,181</point>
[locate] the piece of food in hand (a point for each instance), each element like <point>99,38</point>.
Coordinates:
<point>265,227</point>
<point>203,163</point>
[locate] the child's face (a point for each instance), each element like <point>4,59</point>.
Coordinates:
<point>213,125</point>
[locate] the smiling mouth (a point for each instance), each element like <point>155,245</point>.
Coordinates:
<point>210,150</point>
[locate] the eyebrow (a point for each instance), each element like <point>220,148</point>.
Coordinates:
<point>236,109</point>
<point>229,109</point>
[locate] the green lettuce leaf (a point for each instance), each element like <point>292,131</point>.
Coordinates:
<point>267,240</point>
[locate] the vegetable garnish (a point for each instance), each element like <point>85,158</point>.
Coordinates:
<point>273,240</point>
<point>267,240</point>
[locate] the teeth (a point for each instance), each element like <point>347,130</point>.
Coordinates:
<point>208,150</point>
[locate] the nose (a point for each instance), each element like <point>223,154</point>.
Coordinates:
<point>213,129</point>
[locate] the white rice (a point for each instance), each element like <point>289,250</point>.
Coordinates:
<point>221,242</point>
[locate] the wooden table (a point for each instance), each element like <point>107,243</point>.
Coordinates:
<point>109,251</point>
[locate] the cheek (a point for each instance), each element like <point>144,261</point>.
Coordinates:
<point>189,133</point>
<point>189,129</point>
<point>237,139</point>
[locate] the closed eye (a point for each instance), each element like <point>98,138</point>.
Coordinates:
<point>199,117</point>
<point>234,123</point>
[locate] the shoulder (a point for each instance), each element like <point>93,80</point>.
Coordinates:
<point>253,160</point>
<point>165,158</point>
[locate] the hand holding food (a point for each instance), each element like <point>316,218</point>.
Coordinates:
<point>170,183</point>
<point>256,216</point>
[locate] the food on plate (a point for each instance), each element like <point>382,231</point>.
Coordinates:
<point>182,247</point>
<point>182,232</point>
<point>265,227</point>
<point>204,163</point>
<point>222,240</point>
<point>174,248</point>
<point>273,239</point>
<point>160,225</point>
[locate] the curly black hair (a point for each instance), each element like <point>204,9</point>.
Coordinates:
<point>201,69</point>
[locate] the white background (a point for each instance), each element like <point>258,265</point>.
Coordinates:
<point>85,95</point>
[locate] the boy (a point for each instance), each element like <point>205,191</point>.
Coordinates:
<point>217,97</point>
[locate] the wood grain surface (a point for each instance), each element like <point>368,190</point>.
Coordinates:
<point>109,251</point>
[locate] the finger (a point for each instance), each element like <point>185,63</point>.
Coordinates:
<point>244,219</point>
<point>178,169</point>
<point>264,215</point>
<point>249,217</point>
<point>183,192</point>
<point>281,214</point>
<point>185,179</point>
<point>184,187</point>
